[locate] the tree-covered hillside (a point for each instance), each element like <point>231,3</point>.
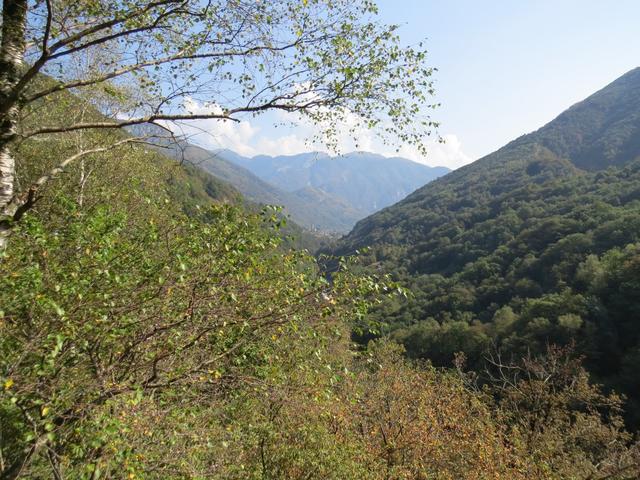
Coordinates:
<point>524,247</point>
<point>152,329</point>
<point>601,131</point>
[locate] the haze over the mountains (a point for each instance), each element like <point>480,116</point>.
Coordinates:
<point>320,192</point>
<point>367,181</point>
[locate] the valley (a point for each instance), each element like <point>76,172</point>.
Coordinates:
<point>172,310</point>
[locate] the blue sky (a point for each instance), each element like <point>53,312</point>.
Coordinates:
<point>505,68</point>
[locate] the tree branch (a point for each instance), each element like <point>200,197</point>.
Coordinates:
<point>177,57</point>
<point>127,123</point>
<point>109,24</point>
<point>47,29</point>
<point>46,54</point>
<point>23,202</point>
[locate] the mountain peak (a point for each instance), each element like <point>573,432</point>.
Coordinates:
<point>365,181</point>
<point>602,130</point>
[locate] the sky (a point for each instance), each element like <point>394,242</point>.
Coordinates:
<point>505,68</point>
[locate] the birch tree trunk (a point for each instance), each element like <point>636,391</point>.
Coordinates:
<point>14,15</point>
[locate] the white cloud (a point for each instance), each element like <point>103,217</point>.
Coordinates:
<point>447,154</point>
<point>283,145</point>
<point>248,139</point>
<point>214,133</point>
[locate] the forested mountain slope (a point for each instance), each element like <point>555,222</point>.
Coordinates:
<point>153,323</point>
<point>526,246</point>
<point>601,131</point>
<point>608,118</point>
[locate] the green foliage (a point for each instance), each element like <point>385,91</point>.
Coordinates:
<point>142,315</point>
<point>331,62</point>
<point>144,343</point>
<point>109,316</point>
<point>148,329</point>
<point>522,280</point>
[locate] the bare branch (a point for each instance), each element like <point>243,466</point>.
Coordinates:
<point>125,123</point>
<point>228,115</point>
<point>47,29</point>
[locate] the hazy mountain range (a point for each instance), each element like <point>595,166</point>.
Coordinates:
<point>319,192</point>
<point>366,181</point>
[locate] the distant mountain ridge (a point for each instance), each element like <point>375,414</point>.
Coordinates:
<point>366,181</point>
<point>323,194</point>
<point>313,209</point>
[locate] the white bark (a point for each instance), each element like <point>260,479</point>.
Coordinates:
<point>14,16</point>
<point>7,176</point>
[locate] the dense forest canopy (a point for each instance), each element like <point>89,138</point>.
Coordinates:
<point>155,325</point>
<point>151,329</point>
